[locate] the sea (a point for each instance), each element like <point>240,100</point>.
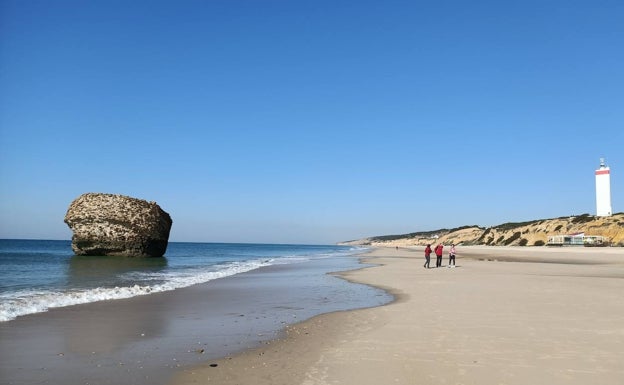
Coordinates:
<point>38,275</point>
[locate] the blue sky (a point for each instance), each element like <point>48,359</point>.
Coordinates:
<point>309,121</point>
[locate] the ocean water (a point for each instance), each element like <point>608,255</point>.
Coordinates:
<point>37,275</point>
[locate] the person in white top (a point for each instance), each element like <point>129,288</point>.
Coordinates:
<point>452,255</point>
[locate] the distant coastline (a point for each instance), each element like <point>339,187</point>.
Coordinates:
<point>530,233</point>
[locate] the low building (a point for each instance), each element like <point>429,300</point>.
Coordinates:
<point>577,239</point>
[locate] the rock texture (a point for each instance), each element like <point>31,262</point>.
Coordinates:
<point>532,233</point>
<point>108,224</point>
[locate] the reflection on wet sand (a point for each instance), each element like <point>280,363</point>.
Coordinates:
<point>101,329</point>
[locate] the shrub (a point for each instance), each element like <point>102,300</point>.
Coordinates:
<point>539,243</point>
<point>513,238</point>
<point>482,237</point>
<point>514,225</point>
<point>583,218</point>
<point>523,242</point>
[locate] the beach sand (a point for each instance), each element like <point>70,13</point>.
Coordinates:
<point>504,315</point>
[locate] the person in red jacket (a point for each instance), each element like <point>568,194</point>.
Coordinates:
<point>427,256</point>
<point>438,253</point>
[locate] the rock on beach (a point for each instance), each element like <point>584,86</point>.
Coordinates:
<point>117,225</point>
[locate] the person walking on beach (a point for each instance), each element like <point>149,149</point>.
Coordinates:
<point>438,253</point>
<point>452,256</point>
<point>427,256</point>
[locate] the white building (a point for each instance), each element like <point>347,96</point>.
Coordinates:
<point>577,239</point>
<point>603,190</point>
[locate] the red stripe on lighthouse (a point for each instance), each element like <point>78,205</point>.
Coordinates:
<point>602,172</point>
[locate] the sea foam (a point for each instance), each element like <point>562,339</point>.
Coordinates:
<point>23,302</point>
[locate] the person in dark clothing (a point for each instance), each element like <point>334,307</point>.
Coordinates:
<point>427,256</point>
<point>438,253</point>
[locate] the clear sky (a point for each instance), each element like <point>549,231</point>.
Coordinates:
<point>309,121</point>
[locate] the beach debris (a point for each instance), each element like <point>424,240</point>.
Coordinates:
<point>213,365</point>
<point>118,225</point>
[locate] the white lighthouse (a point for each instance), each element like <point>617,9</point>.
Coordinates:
<point>603,190</point>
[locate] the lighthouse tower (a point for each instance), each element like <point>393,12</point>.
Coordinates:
<point>603,190</point>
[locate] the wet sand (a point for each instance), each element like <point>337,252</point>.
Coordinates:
<point>504,315</point>
<point>145,340</point>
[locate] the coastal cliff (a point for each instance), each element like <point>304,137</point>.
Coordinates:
<point>532,233</point>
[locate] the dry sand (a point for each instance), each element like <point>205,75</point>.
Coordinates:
<point>504,316</point>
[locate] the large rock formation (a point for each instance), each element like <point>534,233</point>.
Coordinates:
<point>108,224</point>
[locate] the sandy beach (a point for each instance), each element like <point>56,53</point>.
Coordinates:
<point>504,315</point>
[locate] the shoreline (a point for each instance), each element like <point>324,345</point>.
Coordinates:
<point>512,315</point>
<point>145,339</point>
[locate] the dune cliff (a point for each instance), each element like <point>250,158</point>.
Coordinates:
<point>532,233</point>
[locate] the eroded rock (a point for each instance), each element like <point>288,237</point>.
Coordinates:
<point>110,224</point>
